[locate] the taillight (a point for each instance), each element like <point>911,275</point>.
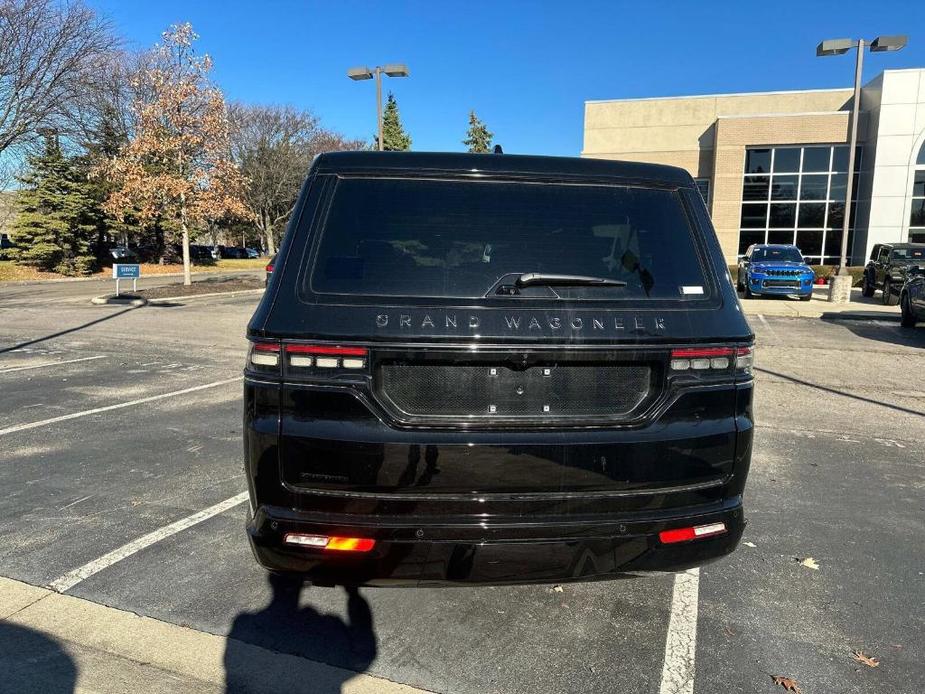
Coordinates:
<point>745,360</point>
<point>336,544</point>
<point>695,532</point>
<point>324,357</point>
<point>702,358</point>
<point>264,355</point>
<point>306,360</point>
<point>269,267</point>
<point>711,360</point>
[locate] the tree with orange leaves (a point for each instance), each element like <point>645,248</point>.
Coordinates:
<point>177,164</point>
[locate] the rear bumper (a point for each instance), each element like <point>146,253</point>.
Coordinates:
<point>418,552</point>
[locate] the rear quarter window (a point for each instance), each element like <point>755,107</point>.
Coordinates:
<point>462,239</point>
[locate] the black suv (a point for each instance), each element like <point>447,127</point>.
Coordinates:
<point>887,267</point>
<point>496,369</point>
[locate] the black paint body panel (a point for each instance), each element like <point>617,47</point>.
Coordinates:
<point>506,502</point>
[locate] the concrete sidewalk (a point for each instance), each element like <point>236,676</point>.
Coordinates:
<point>59,643</point>
<point>860,308</point>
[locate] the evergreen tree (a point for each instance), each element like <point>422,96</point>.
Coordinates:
<point>57,215</point>
<point>105,145</point>
<point>394,137</point>
<point>478,137</point>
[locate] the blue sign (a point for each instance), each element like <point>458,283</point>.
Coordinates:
<point>121,272</point>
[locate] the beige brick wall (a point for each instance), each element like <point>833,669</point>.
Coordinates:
<point>707,136</point>
<point>671,130</point>
<point>699,162</point>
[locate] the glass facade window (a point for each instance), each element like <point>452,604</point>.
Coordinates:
<point>758,161</point>
<point>917,214</point>
<point>756,188</point>
<point>797,195</point>
<point>787,160</point>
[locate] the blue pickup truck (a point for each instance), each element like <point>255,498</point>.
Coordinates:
<point>774,269</point>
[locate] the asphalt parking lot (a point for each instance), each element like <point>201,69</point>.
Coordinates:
<point>121,481</point>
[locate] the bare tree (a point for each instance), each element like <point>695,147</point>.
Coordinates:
<point>274,146</point>
<point>101,119</point>
<point>47,53</point>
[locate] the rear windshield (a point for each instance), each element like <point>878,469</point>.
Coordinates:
<point>791,255</point>
<point>438,238</point>
<point>909,254</point>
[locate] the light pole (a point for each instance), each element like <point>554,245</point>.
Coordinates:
<point>364,73</point>
<point>840,287</point>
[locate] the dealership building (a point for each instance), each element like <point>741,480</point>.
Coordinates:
<point>773,166</point>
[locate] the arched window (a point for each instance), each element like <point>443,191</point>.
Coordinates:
<point>917,214</point>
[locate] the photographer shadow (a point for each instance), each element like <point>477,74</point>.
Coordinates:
<point>260,646</point>
<point>33,662</point>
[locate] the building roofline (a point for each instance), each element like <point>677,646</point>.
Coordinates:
<point>717,96</point>
<point>901,69</point>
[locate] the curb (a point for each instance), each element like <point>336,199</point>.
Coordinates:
<point>846,315</point>
<point>163,299</point>
<point>111,300</point>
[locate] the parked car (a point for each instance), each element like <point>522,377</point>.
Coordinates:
<point>198,253</point>
<point>233,252</point>
<point>496,369</point>
<point>912,296</point>
<point>886,269</point>
<point>269,270</point>
<point>252,252</point>
<point>774,269</point>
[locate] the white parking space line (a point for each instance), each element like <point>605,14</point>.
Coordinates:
<point>107,408</point>
<point>50,363</point>
<point>681,642</point>
<point>72,578</point>
<point>764,322</point>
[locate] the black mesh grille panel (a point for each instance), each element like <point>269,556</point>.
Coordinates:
<point>501,393</point>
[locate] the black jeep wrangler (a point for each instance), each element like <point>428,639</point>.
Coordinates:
<point>886,269</point>
<point>496,369</point>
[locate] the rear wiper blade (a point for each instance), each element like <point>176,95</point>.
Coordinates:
<point>531,279</point>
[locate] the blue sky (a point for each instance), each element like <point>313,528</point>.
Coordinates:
<point>525,67</point>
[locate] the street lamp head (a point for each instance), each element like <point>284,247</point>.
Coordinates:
<point>395,70</point>
<point>360,73</point>
<point>888,43</point>
<point>834,47</point>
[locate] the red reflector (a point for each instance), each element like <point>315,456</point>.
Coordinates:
<point>350,544</point>
<point>339,544</point>
<point>269,268</point>
<point>695,352</point>
<point>266,347</point>
<point>322,349</point>
<point>668,537</point>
